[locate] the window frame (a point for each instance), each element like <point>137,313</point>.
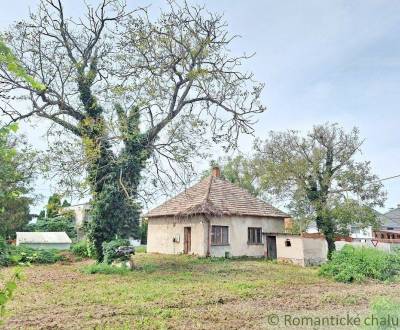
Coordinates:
<point>214,235</point>
<point>255,241</point>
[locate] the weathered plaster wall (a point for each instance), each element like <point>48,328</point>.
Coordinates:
<point>303,251</point>
<point>315,251</point>
<point>162,231</point>
<point>293,253</point>
<point>238,228</point>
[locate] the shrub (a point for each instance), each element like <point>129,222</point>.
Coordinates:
<point>81,249</point>
<point>352,264</point>
<point>103,268</point>
<point>25,255</point>
<point>14,255</point>
<point>109,249</point>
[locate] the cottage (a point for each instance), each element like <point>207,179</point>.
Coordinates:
<point>215,218</point>
<point>44,240</point>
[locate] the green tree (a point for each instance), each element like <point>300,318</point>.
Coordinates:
<point>53,206</point>
<point>319,173</point>
<point>16,174</point>
<point>239,170</point>
<point>60,223</point>
<point>126,92</point>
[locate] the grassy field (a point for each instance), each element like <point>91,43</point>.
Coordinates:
<point>182,292</point>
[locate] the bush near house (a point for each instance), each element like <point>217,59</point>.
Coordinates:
<point>352,264</point>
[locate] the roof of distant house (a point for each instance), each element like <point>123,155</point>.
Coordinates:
<point>215,196</point>
<point>43,237</point>
<point>392,218</point>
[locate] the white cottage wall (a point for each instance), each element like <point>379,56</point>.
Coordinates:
<point>166,235</point>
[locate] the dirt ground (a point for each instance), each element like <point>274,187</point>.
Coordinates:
<point>181,292</point>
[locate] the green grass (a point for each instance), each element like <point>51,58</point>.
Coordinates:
<point>103,268</point>
<point>179,292</point>
<point>141,249</point>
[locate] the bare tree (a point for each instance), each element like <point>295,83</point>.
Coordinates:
<point>127,90</point>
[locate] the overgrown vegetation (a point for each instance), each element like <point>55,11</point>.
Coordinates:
<point>81,249</point>
<point>352,264</point>
<point>20,255</point>
<point>110,250</point>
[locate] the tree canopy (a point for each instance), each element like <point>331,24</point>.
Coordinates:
<point>321,177</point>
<point>239,170</point>
<point>17,169</point>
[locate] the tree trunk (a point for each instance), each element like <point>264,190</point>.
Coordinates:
<point>325,225</point>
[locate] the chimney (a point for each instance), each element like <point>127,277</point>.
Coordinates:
<point>216,171</point>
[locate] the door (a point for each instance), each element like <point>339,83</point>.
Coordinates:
<point>187,240</point>
<point>271,247</point>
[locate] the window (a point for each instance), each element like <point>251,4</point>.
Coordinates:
<point>254,235</point>
<point>288,243</point>
<point>219,235</point>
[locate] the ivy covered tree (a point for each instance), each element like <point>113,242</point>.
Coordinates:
<point>125,92</point>
<point>319,175</point>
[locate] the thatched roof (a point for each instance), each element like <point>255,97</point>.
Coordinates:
<point>215,196</point>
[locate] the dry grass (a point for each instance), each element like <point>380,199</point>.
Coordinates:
<point>181,292</point>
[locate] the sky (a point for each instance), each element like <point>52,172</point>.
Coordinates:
<point>321,61</point>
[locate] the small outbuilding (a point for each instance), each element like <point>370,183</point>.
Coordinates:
<point>44,240</point>
<point>304,250</point>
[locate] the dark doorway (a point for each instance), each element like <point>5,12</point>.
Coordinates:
<point>187,240</point>
<point>271,247</point>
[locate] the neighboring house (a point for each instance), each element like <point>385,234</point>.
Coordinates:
<point>80,212</point>
<point>389,229</point>
<point>44,240</point>
<point>216,218</point>
<point>390,225</point>
<point>357,233</point>
<point>81,215</point>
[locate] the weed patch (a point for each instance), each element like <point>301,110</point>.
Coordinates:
<point>352,264</point>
